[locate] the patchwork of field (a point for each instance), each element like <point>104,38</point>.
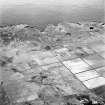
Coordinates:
<point>44,68</point>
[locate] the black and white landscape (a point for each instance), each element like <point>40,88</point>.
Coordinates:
<point>52,52</point>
